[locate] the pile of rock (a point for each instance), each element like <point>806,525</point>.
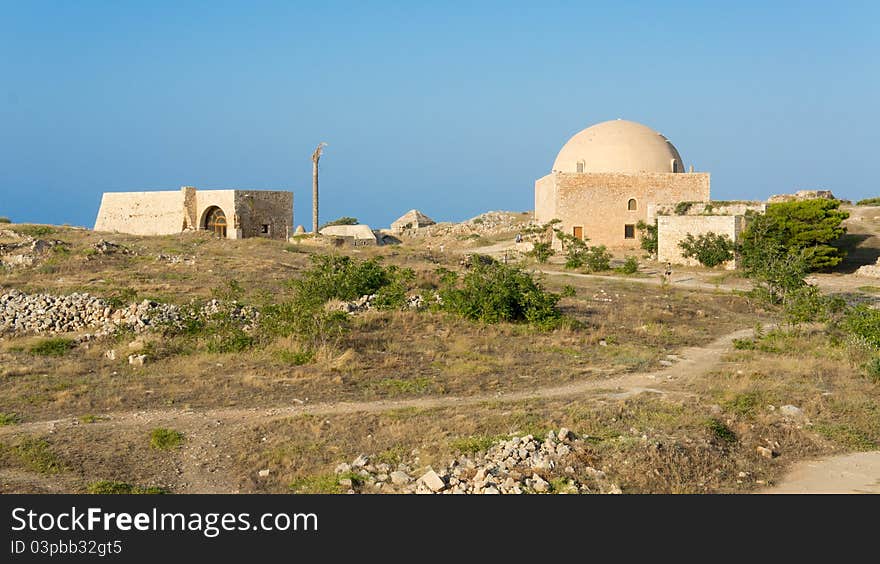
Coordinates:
<point>103,247</point>
<point>514,466</point>
<point>22,313</point>
<point>27,251</point>
<point>176,259</point>
<point>365,303</point>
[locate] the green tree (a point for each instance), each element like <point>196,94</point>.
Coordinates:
<point>806,227</point>
<point>344,220</point>
<point>710,249</point>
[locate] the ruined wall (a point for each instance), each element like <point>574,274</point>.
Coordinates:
<point>597,202</point>
<point>706,208</point>
<point>258,208</point>
<point>141,213</point>
<point>672,229</point>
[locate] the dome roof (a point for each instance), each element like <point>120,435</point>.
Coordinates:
<point>618,146</point>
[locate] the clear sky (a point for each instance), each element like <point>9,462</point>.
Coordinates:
<point>451,107</point>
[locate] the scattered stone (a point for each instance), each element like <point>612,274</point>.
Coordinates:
<point>765,452</point>
<point>264,473</point>
<point>399,478</point>
<point>434,482</point>
<point>360,461</point>
<point>137,359</point>
<point>111,354</point>
<point>791,412</point>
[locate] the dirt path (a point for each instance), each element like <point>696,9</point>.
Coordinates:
<point>202,461</point>
<point>845,474</point>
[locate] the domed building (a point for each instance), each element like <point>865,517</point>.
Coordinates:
<point>606,176</point>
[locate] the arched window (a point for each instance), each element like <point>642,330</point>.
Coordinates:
<point>631,204</point>
<point>675,166</point>
<point>580,166</point>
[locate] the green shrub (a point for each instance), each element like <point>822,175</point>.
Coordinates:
<point>473,444</point>
<point>497,292</point>
<point>165,439</point>
<point>872,369</point>
<point>34,230</point>
<point>56,346</point>
<point>864,322</point>
<point>681,208</point>
<point>709,249</point>
<point>111,487</point>
<point>541,252</point>
<point>630,266</point>
<point>597,259</point>
<point>720,430</point>
<point>568,291</point>
<point>648,236</point>
<point>344,220</point>
<point>808,305</point>
<point>4,219</point>
<point>322,483</point>
<point>36,455</point>
<point>869,202</point>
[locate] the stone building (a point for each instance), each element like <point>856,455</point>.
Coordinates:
<point>359,235</point>
<point>230,214</point>
<point>606,176</point>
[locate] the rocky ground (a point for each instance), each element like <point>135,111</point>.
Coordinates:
<point>514,466</point>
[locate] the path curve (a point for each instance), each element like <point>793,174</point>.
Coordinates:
<point>857,473</point>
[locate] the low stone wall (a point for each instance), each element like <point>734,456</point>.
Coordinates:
<point>705,208</point>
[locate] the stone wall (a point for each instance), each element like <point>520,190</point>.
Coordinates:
<point>258,208</point>
<point>142,213</point>
<point>705,208</point>
<point>672,229</point>
<point>598,202</point>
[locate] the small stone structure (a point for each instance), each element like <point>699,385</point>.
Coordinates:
<point>231,214</point>
<point>673,229</point>
<point>355,235</point>
<point>413,219</point>
<point>801,195</point>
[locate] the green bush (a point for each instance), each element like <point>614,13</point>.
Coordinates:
<point>56,346</point>
<point>710,249</point>
<point>597,259</point>
<point>630,266</point>
<point>869,202</point>
<point>34,230</point>
<point>296,358</point>
<point>863,321</point>
<point>541,252</point>
<point>344,220</point>
<point>165,439</point>
<point>681,208</point>
<point>568,291</point>
<point>9,419</point>
<point>720,431</point>
<point>497,292</point>
<point>4,219</point>
<point>648,236</point>
<point>872,368</point>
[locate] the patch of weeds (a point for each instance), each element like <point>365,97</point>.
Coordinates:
<point>398,386</point>
<point>320,483</point>
<point>391,456</point>
<point>9,419</point>
<point>473,444</point>
<point>36,455</point>
<point>165,439</point>
<point>57,346</point>
<point>568,291</point>
<point>34,230</point>
<point>872,369</point>
<point>561,485</point>
<point>846,436</point>
<point>116,488</point>
<point>721,431</point>
<point>296,358</point>
<point>88,419</point>
<point>744,404</point>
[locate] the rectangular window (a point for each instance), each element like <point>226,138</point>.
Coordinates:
<point>629,231</point>
<point>264,229</point>
<point>578,232</point>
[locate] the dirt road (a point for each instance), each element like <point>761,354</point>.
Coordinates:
<point>846,474</point>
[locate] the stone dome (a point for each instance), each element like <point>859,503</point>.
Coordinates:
<point>618,146</point>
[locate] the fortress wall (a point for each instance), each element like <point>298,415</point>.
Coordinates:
<point>225,200</point>
<point>672,229</point>
<point>598,201</point>
<point>141,213</point>
<point>256,208</point>
<point>545,199</point>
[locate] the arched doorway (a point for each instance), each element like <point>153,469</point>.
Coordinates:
<point>215,220</point>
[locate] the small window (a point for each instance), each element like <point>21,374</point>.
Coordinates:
<point>629,231</point>
<point>580,166</point>
<point>675,166</point>
<point>264,229</point>
<point>631,204</point>
<point>578,232</point>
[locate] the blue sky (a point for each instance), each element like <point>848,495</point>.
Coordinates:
<point>451,107</point>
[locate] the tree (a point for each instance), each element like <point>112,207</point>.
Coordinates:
<point>316,156</point>
<point>710,249</point>
<point>808,227</point>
